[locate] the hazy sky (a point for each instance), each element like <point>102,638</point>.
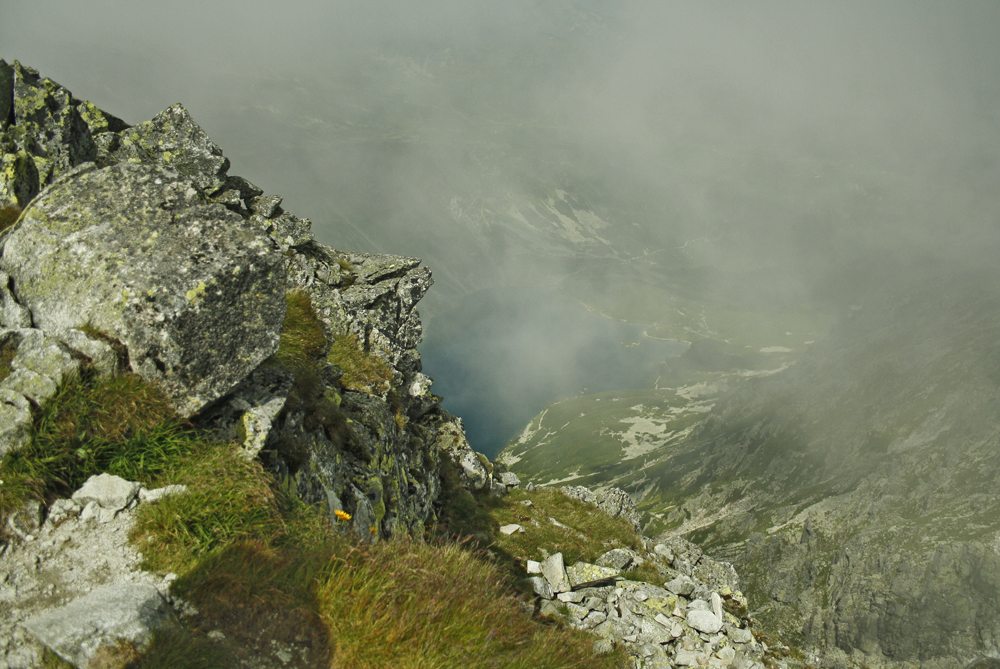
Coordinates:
<point>816,147</point>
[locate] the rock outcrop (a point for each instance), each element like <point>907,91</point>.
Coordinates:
<point>73,582</point>
<point>137,251</point>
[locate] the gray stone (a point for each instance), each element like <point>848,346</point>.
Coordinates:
<point>43,355</point>
<point>12,314</point>
<point>738,635</point>
<point>15,420</point>
<point>6,92</point>
<point>541,587</point>
<point>267,206</point>
<point>289,231</point>
<point>101,354</point>
<point>511,529</point>
<point>421,400</point>
<point>534,567</point>
<point>135,250</point>
<point>48,125</point>
<point>113,613</point>
<point>681,585</point>
<point>61,509</point>
<point>109,491</point>
<point>451,439</point>
<point>554,571</point>
<point>689,658</point>
<point>727,654</point>
<point>575,597</point>
<point>577,612</point>
<point>704,621</point>
<point>172,139</point>
<point>26,519</point>
<point>584,575</point>
<point>614,501</point>
<point>156,494</point>
<point>19,179</point>
<point>717,605</point>
<point>510,479</point>
<point>661,549</point>
<point>620,559</point>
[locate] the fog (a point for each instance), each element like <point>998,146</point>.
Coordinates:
<point>775,153</point>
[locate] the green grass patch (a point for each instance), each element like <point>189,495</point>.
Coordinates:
<point>416,605</point>
<point>303,341</point>
<point>364,371</point>
<point>121,425</point>
<point>588,532</point>
<point>259,565</point>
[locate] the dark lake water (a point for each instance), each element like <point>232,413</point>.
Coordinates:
<point>502,355</point>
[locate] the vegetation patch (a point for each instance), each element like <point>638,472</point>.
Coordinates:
<point>258,564</point>
<point>409,604</point>
<point>583,532</point>
<point>262,567</point>
<point>9,216</point>
<point>121,425</point>
<point>364,372</point>
<point>303,341</point>
<point>7,353</point>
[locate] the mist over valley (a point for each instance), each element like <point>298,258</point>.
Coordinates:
<point>738,259</point>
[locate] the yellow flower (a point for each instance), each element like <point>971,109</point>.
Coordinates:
<point>341,515</point>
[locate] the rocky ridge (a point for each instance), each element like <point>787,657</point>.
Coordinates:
<point>135,251</point>
<point>183,269</point>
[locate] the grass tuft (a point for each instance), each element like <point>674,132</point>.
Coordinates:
<point>229,499</point>
<point>303,341</point>
<point>412,605</point>
<point>364,371</point>
<point>118,424</point>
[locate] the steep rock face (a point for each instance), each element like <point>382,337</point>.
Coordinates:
<point>45,131</point>
<point>195,292</point>
<point>141,232</point>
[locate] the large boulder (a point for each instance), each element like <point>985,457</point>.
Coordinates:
<point>137,251</point>
<point>79,631</point>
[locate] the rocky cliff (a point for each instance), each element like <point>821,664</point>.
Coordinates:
<point>136,250</point>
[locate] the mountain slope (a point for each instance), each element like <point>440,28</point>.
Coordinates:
<point>856,489</point>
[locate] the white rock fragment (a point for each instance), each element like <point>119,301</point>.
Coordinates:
<point>704,621</point>
<point>717,605</point>
<point>109,491</point>
<point>554,570</point>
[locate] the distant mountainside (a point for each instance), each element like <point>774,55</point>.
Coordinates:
<point>856,489</point>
